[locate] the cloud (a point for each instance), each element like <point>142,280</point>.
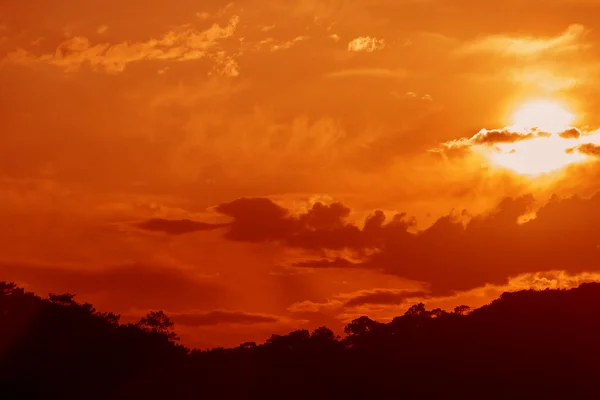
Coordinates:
<point>126,286</point>
<point>225,65</point>
<point>492,137</point>
<point>491,248</point>
<point>546,78</point>
<point>383,304</point>
<point>276,45</point>
<point>525,46</point>
<point>543,64</point>
<point>359,301</point>
<point>315,307</point>
<point>411,96</point>
<point>288,44</point>
<point>182,44</point>
<point>222,317</point>
<point>325,263</point>
<point>369,72</point>
<point>267,28</point>
<point>572,133</point>
<point>321,227</point>
<point>382,296</point>
<point>366,44</point>
<point>526,154</point>
<point>450,255</point>
<point>176,227</point>
<point>224,146</point>
<point>589,149</point>
<point>203,15</point>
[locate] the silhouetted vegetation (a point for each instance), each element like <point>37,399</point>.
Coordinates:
<point>527,344</point>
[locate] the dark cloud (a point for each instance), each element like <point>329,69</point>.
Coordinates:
<point>383,297</point>
<point>450,255</point>
<point>256,220</point>
<point>489,138</point>
<point>127,286</point>
<point>325,263</point>
<point>321,227</point>
<point>261,220</point>
<point>222,317</point>
<point>494,247</point>
<point>588,149</point>
<point>176,227</point>
<point>500,136</point>
<point>572,133</point>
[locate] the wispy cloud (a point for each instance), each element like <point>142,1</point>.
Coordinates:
<point>569,40</point>
<point>366,44</point>
<point>373,72</point>
<point>277,45</point>
<point>182,44</point>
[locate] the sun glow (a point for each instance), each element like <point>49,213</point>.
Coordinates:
<point>547,151</point>
<point>545,115</point>
<point>536,156</point>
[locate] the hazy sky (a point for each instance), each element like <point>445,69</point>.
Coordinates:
<point>262,166</point>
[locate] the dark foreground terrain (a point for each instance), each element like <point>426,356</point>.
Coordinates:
<point>528,344</point>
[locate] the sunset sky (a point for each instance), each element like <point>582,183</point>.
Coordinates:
<point>263,166</point>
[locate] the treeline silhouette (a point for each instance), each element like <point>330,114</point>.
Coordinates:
<point>527,344</point>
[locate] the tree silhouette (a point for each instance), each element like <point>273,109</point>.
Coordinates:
<point>63,299</point>
<point>527,344</point>
<point>417,310</point>
<point>361,326</point>
<point>323,333</point>
<point>158,322</point>
<point>462,310</point>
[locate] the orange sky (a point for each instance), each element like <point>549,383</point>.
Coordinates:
<point>129,131</point>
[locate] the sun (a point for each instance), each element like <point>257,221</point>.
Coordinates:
<point>546,152</point>
<point>545,115</point>
<point>536,157</point>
